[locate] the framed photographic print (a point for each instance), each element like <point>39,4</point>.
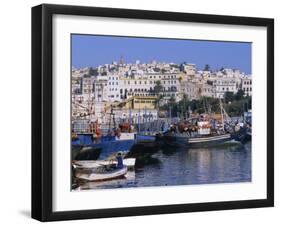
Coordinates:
<point>146,112</point>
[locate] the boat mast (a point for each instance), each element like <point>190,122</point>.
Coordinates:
<point>170,114</point>
<point>109,126</point>
<point>139,120</point>
<point>145,119</point>
<point>222,119</point>
<point>130,116</point>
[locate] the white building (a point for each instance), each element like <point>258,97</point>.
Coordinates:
<point>190,89</point>
<point>118,82</point>
<point>87,84</point>
<point>100,88</point>
<point>246,85</point>
<point>113,87</point>
<point>225,84</point>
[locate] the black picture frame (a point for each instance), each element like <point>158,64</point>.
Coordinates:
<point>42,111</point>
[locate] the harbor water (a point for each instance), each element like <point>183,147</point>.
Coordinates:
<point>181,166</point>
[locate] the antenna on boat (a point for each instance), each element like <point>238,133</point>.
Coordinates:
<point>170,113</point>
<point>222,119</point>
<point>139,120</point>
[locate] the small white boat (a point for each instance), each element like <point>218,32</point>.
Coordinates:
<point>102,174</point>
<point>91,164</point>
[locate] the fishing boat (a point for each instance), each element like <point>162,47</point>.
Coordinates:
<point>90,141</point>
<point>116,139</point>
<point>195,132</point>
<point>203,130</point>
<point>108,144</point>
<point>102,174</point>
<point>243,128</point>
<point>243,133</point>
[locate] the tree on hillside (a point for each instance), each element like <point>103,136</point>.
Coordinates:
<point>228,97</point>
<point>239,95</point>
<point>158,87</point>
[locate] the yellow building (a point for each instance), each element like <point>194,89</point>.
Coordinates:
<point>140,102</point>
<point>133,103</point>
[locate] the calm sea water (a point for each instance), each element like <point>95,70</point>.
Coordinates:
<point>180,166</point>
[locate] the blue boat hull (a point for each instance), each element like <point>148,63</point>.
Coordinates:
<point>85,152</point>
<point>107,144</point>
<point>144,138</point>
<point>111,147</point>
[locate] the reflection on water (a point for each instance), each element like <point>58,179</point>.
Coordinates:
<point>183,167</point>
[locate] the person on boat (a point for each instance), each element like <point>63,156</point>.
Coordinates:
<point>119,160</point>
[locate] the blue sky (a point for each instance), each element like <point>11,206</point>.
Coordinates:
<point>91,50</point>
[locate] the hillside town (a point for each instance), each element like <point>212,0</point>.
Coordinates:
<point>132,112</point>
<point>134,88</point>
